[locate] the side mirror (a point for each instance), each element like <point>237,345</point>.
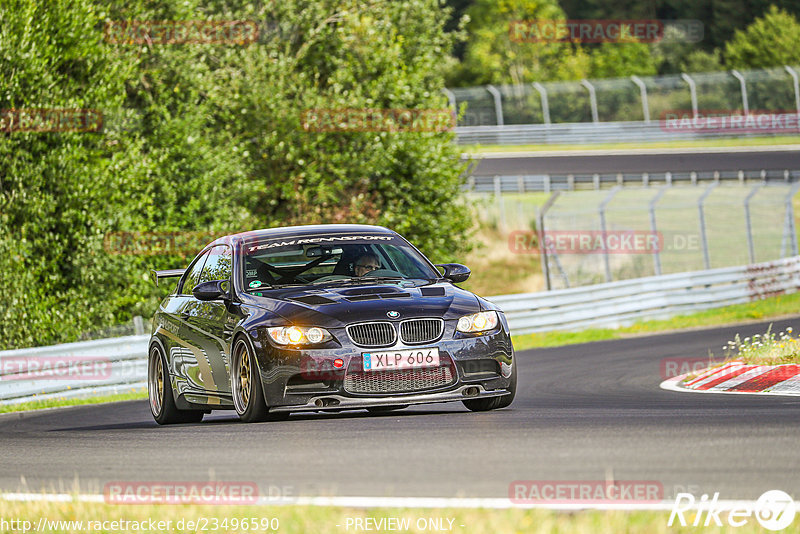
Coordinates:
<point>455,272</point>
<point>211,290</point>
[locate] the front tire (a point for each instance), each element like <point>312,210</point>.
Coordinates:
<point>159,391</point>
<point>495,403</point>
<point>248,394</point>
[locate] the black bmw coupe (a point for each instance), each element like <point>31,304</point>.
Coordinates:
<point>323,318</point>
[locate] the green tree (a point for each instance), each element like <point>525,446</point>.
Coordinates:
<point>216,144</point>
<point>493,56</point>
<point>770,41</point>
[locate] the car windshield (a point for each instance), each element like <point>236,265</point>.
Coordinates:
<point>331,259</point>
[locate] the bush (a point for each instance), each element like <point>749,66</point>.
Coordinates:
<point>215,144</point>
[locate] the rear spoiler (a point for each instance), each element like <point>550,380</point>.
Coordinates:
<point>167,273</point>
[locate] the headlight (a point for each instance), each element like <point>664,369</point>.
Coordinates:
<point>478,322</point>
<point>298,335</point>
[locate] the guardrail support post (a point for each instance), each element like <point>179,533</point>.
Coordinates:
<point>601,210</point>
<point>703,236</point>
<point>751,254</point>
<point>796,86</point>
<point>743,86</point>
<point>138,325</point>
<point>592,99</point>
<point>654,227</point>
<point>498,104</point>
<point>643,92</point>
<point>545,104</point>
<point>692,92</point>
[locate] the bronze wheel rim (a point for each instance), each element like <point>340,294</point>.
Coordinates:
<point>156,382</point>
<point>243,378</point>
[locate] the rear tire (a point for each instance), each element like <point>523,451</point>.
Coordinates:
<point>248,394</point>
<point>159,390</point>
<point>495,403</point>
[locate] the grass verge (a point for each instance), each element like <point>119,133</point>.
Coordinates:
<point>96,517</point>
<point>65,401</point>
<point>772,307</point>
<point>703,143</point>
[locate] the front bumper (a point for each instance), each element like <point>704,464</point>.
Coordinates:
<point>338,402</point>
<point>305,380</point>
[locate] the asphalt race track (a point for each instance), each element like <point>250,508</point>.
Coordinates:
<point>583,412</point>
<point>638,162</point>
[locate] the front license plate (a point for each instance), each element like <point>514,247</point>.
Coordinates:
<point>401,359</point>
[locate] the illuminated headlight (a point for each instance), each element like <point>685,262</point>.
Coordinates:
<point>478,322</point>
<point>298,335</point>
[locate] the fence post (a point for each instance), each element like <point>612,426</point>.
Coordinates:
<point>498,104</point>
<point>796,86</point>
<point>643,92</point>
<point>703,236</point>
<point>743,86</point>
<point>498,196</point>
<point>654,227</point>
<point>601,210</point>
<point>751,254</point>
<point>542,248</point>
<point>451,97</point>
<point>545,104</point>
<point>592,99</point>
<point>790,220</point>
<point>692,92</point>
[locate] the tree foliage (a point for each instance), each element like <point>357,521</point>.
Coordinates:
<point>770,41</point>
<point>212,141</point>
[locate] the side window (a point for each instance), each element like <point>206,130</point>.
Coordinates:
<point>218,265</point>
<point>193,277</point>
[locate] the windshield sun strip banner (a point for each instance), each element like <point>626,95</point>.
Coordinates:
<point>284,242</point>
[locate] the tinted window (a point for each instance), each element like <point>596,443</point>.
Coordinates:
<point>193,276</point>
<point>330,258</point>
<point>218,265</point>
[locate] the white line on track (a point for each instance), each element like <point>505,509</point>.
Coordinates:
<point>407,502</point>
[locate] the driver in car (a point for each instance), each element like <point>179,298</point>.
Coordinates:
<point>366,263</point>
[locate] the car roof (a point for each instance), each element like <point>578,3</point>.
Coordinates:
<point>298,231</point>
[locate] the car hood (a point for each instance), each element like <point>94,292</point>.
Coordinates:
<point>336,306</point>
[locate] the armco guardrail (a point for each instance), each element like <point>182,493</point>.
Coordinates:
<point>525,183</point>
<point>73,368</point>
<point>619,303</point>
<point>80,368</point>
<point>586,133</point>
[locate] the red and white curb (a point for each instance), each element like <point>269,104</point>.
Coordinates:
<point>738,377</point>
